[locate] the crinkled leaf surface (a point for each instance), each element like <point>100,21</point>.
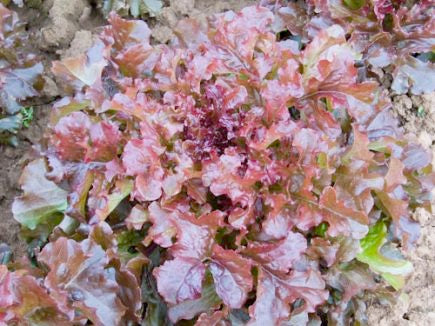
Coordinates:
<point>78,275</point>
<point>232,276</point>
<point>25,301</point>
<point>276,292</point>
<point>191,308</point>
<point>279,255</point>
<point>180,279</point>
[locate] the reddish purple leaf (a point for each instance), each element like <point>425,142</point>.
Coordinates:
<point>164,227</point>
<point>77,273</point>
<point>141,154</point>
<point>71,137</point>
<point>180,279</point>
<point>232,276</point>
<point>276,292</point>
<point>105,138</point>
<point>341,218</point>
<point>23,298</point>
<point>278,255</point>
<point>223,178</point>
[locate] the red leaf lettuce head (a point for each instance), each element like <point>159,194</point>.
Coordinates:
<point>236,177</point>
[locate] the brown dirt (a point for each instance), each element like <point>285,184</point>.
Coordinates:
<point>65,18</point>
<point>63,28</point>
<point>199,10</point>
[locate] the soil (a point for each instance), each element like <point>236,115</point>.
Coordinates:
<point>64,28</point>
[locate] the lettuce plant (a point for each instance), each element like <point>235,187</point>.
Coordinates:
<point>227,178</point>
<point>394,35</point>
<point>19,72</point>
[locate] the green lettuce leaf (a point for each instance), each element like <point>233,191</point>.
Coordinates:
<point>381,260</point>
<point>42,198</point>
